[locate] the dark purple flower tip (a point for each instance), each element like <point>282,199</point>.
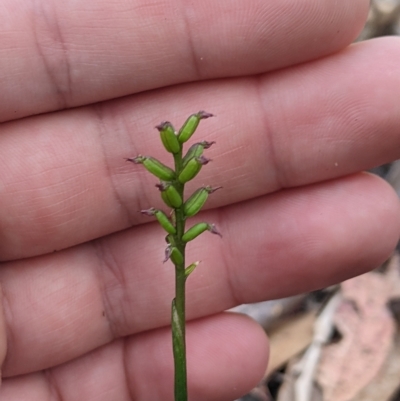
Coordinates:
<point>137,160</point>
<point>210,190</point>
<point>206,144</point>
<point>168,252</point>
<point>163,125</point>
<point>162,186</point>
<point>214,230</point>
<point>203,160</point>
<point>203,115</point>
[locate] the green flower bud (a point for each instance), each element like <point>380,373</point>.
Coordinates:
<point>170,195</point>
<point>192,168</point>
<point>173,253</point>
<point>162,219</point>
<point>196,150</point>
<point>168,137</point>
<point>190,268</point>
<point>191,124</point>
<point>155,167</point>
<point>198,229</point>
<point>194,204</point>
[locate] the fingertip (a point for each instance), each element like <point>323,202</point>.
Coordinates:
<point>386,219</point>
<point>233,356</point>
<point>3,336</point>
<point>226,357</point>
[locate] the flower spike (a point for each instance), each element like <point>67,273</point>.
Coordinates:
<point>172,189</point>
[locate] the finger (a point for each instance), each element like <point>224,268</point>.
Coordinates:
<point>3,335</point>
<point>57,55</point>
<point>290,242</point>
<point>64,177</point>
<point>141,367</point>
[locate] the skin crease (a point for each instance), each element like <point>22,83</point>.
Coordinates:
<point>298,116</point>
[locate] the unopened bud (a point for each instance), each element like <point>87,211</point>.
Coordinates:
<point>197,200</point>
<point>190,125</point>
<point>168,137</point>
<point>173,253</point>
<point>154,166</point>
<point>170,195</point>
<point>190,268</point>
<point>192,168</point>
<point>161,218</point>
<point>198,229</point>
<point>196,150</point>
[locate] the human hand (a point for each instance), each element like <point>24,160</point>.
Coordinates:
<point>90,321</point>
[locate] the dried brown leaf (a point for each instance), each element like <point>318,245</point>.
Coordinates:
<point>367,330</point>
<point>387,382</point>
<point>289,338</point>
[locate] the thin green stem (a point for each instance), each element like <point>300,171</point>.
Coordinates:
<point>178,305</point>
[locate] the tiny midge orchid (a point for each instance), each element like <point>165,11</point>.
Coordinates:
<point>172,187</point>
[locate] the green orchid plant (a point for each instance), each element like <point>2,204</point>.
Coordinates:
<point>172,187</point>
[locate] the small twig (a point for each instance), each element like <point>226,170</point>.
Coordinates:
<point>306,367</point>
